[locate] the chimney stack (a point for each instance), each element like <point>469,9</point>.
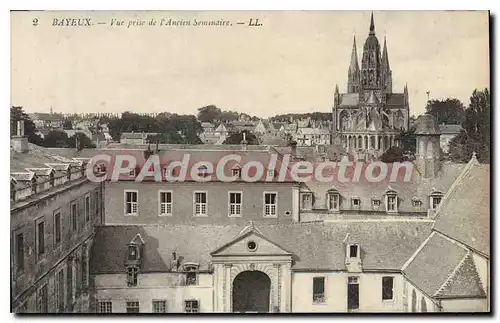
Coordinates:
<point>19,142</point>
<point>244,142</point>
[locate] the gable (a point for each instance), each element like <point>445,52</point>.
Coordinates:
<point>240,246</point>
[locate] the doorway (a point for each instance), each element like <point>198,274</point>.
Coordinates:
<point>251,292</point>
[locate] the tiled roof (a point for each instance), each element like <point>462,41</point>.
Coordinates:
<point>384,245</point>
<point>434,264</point>
<point>464,282</point>
<point>464,213</point>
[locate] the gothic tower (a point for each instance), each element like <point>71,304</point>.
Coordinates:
<point>386,70</point>
<point>353,74</point>
<point>371,63</point>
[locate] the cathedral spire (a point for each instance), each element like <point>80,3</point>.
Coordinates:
<point>372,26</point>
<point>385,57</point>
<point>353,75</point>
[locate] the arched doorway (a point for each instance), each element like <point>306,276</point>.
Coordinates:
<point>251,292</point>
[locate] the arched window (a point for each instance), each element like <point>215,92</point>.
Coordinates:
<point>413,301</point>
<point>423,305</point>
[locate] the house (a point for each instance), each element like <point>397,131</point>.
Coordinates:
<point>136,138</point>
<point>207,127</point>
<point>53,211</point>
<point>312,136</point>
<point>47,120</point>
<point>450,271</point>
<point>448,132</point>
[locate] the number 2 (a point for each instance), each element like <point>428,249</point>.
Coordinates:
<point>35,22</point>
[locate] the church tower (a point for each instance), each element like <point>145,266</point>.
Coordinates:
<point>371,63</point>
<point>386,70</point>
<point>353,74</point>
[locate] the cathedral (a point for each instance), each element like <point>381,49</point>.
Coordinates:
<point>369,117</point>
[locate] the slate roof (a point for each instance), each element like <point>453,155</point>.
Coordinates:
<point>315,246</point>
<point>435,262</point>
<point>349,99</point>
<point>464,282</point>
<point>464,213</point>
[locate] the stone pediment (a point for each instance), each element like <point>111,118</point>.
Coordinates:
<point>251,243</point>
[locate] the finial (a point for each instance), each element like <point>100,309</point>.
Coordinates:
<point>474,155</point>
<point>372,26</point>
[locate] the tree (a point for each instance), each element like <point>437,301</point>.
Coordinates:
<point>208,113</point>
<point>393,154</point>
<point>449,111</point>
<point>17,113</point>
<point>476,136</point>
<point>83,141</point>
<point>227,116</point>
<point>408,140</point>
<point>56,139</point>
<point>237,138</point>
<point>67,125</point>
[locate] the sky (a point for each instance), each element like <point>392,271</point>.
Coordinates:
<point>290,64</point>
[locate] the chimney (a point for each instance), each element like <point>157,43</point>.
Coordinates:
<point>293,146</point>
<point>19,142</point>
<point>244,142</point>
<point>175,263</point>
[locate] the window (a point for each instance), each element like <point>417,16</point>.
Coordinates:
<point>271,173</point>
<point>87,209</point>
<point>236,172</point>
<point>132,276</point>
<point>392,203</point>
<point>270,204</point>
<point>306,201</point>
<point>131,172</point>
<point>417,204</point>
<point>319,290</point>
<point>376,203</point>
<point>96,202</point>
<point>20,252</point>
<point>132,252</point>
<point>235,203</point>
<point>191,306</point>
<point>159,306</point>
<point>131,202</point>
<point>84,265</point>
<point>435,201</point>
<point>356,202</point>
<point>133,307</point>
<point>387,288</point>
<point>59,290</point>
<point>352,293</point>
<point>353,251</point>
<point>40,239</point>
<point>74,216</point>
<point>200,203</point>
<point>333,201</point>
<point>203,171</point>
<point>57,228</point>
<point>42,299</point>
<point>105,307</point>
<point>165,203</point>
<point>191,275</point>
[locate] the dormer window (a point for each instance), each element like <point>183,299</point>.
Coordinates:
<point>203,171</point>
<point>435,199</point>
<point>356,202</point>
<point>333,201</point>
<point>271,173</point>
<point>375,203</point>
<point>306,201</point>
<point>133,253</point>
<point>236,171</point>
<point>131,172</point>
<point>416,203</point>
<point>391,201</point>
<point>191,274</point>
<point>353,251</point>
